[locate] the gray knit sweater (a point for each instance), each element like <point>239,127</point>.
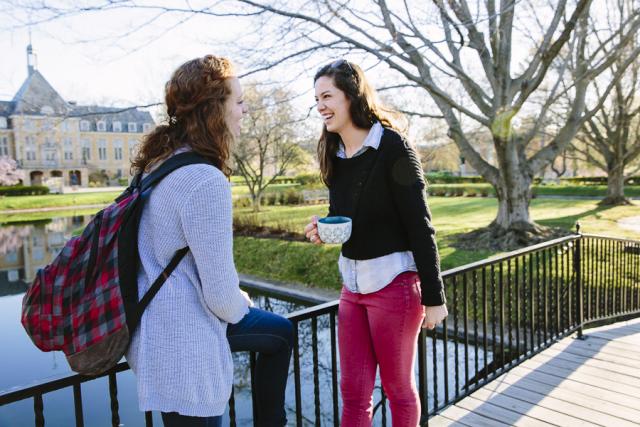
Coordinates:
<point>180,353</point>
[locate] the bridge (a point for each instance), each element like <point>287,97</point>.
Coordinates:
<point>546,335</point>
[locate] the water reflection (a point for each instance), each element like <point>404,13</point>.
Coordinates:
<point>25,248</point>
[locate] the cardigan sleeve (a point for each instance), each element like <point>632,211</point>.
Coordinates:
<point>207,222</point>
<point>407,186</point>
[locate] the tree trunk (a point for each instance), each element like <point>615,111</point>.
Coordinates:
<point>255,203</point>
<point>615,186</point>
<point>513,226</point>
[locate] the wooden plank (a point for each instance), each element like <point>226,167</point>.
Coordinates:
<point>440,421</point>
<point>612,345</point>
<point>631,369</point>
<point>582,412</point>
<point>586,348</point>
<point>522,407</point>
<point>581,376</point>
<point>578,387</point>
<point>629,339</point>
<point>633,324</point>
<point>578,367</point>
<point>499,413</point>
<point>567,394</point>
<point>461,416</point>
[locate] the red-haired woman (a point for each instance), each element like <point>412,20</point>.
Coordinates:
<point>181,351</point>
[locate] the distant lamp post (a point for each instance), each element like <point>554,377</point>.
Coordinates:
<point>462,166</point>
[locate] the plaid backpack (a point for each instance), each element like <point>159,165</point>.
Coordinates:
<point>85,302</point>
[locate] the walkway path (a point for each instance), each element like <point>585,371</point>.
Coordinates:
<point>630,223</point>
<point>595,382</point>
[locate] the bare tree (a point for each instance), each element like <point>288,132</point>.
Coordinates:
<point>610,139</point>
<point>506,58</point>
<point>477,47</point>
<point>269,145</point>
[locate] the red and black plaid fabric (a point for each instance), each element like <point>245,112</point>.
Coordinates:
<point>75,301</point>
<point>85,302</point>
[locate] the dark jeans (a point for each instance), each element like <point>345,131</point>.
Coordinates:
<point>271,336</point>
<point>173,419</point>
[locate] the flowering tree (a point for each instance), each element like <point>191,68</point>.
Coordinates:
<point>11,238</point>
<point>9,172</point>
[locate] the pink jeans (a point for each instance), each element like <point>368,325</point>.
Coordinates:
<point>374,329</point>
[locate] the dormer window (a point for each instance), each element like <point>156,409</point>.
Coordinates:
<point>3,122</point>
<point>132,127</point>
<point>85,126</point>
<point>102,126</point>
<point>117,127</point>
<point>146,127</point>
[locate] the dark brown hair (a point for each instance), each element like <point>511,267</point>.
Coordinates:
<point>365,109</point>
<point>195,97</point>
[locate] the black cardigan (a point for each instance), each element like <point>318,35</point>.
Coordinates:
<point>383,192</point>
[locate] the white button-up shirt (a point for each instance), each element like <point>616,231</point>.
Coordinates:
<point>371,275</point>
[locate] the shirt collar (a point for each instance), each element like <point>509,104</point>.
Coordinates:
<point>371,141</point>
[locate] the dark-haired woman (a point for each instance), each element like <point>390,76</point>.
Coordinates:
<point>181,352</point>
<point>390,266</point>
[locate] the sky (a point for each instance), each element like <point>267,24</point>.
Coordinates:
<point>83,60</point>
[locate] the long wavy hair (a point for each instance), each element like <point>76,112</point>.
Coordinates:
<point>365,109</point>
<point>195,98</point>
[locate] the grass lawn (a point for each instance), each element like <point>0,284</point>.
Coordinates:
<point>57,200</point>
<point>299,262</point>
<point>104,198</point>
<point>303,262</point>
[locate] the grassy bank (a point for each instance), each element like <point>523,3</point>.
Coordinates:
<point>57,200</point>
<point>303,262</point>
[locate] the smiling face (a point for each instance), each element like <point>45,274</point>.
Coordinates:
<point>333,105</point>
<point>235,107</point>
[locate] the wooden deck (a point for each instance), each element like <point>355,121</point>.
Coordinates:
<point>595,382</point>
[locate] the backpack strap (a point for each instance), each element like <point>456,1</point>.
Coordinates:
<point>169,165</point>
<point>157,284</point>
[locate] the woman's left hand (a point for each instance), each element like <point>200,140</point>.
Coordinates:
<point>434,316</point>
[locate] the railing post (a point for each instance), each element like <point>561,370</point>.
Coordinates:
<point>577,259</point>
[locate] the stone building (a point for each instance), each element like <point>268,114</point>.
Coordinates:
<point>53,138</point>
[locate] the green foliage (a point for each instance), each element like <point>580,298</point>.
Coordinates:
<point>309,179</point>
<point>58,200</point>
<point>288,261</point>
<point>24,190</point>
<point>598,180</point>
<point>449,178</point>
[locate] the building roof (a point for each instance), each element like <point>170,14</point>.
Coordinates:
<point>6,107</point>
<point>111,114</point>
<point>37,97</point>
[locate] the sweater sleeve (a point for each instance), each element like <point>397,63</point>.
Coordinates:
<point>408,192</point>
<point>207,222</point>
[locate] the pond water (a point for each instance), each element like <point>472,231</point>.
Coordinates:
<point>26,247</point>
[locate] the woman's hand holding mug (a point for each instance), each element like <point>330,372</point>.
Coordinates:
<point>434,316</point>
<point>311,231</point>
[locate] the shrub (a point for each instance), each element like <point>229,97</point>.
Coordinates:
<point>308,179</point>
<point>242,202</point>
<point>24,190</point>
<point>98,178</point>
<point>292,197</point>
<point>270,199</point>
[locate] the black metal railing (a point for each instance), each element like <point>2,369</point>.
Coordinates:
<point>502,311</point>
